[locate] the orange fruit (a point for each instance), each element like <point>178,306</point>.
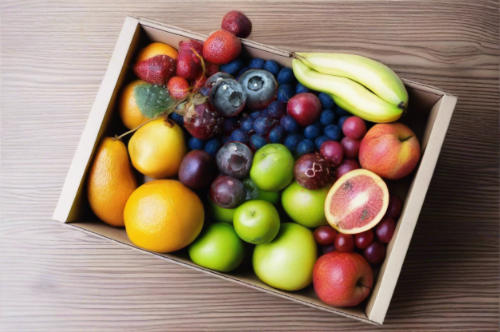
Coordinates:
<point>130,113</point>
<point>356,202</point>
<point>163,216</point>
<point>155,49</point>
<point>157,148</point>
<point>110,181</point>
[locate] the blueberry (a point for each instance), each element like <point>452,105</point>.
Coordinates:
<point>340,123</point>
<point>272,66</point>
<point>213,145</point>
<point>291,141</point>
<point>320,140</point>
<point>242,70</point>
<point>305,146</point>
<point>326,101</point>
<point>233,67</point>
<point>225,139</point>
<point>327,117</point>
<point>257,141</point>
<point>285,92</point>
<point>340,111</point>
<point>320,125</point>
<point>333,132</point>
<point>247,125</point>
<point>312,131</point>
<point>229,124</point>
<point>196,144</point>
<point>289,124</point>
<point>264,114</point>
<point>239,136</point>
<point>255,115</point>
<point>262,125</point>
<point>228,97</point>
<point>277,109</point>
<point>277,135</point>
<point>260,86</point>
<point>285,76</point>
<point>179,119</point>
<point>299,88</point>
<point>256,63</point>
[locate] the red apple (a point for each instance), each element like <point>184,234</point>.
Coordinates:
<point>305,108</point>
<point>342,279</point>
<point>390,150</point>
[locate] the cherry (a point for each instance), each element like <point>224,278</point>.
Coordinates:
<point>344,242</point>
<point>385,229</point>
<point>325,235</point>
<point>395,207</point>
<point>364,239</point>
<point>375,252</point>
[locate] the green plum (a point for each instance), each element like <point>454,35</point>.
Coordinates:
<point>218,248</point>
<point>304,206</point>
<point>272,167</point>
<point>256,222</point>
<point>286,262</point>
<point>221,214</point>
<point>254,192</point>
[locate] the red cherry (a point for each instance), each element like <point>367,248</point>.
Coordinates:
<point>325,235</point>
<point>395,207</point>
<point>344,242</point>
<point>385,229</point>
<point>363,240</point>
<point>375,252</point>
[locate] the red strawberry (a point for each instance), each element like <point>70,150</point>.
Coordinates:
<point>178,87</point>
<point>211,68</point>
<point>221,47</point>
<point>156,70</point>
<point>237,23</point>
<point>189,46</point>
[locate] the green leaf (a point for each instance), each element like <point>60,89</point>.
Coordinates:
<point>152,99</point>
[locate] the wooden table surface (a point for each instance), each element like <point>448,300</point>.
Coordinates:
<point>55,278</point>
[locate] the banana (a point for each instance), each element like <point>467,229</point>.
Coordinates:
<point>374,75</point>
<point>348,94</point>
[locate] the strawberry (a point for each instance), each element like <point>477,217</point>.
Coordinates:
<point>178,87</point>
<point>156,70</point>
<point>188,63</point>
<point>237,23</point>
<point>221,47</point>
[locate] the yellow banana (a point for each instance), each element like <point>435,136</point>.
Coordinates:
<point>348,94</point>
<point>374,75</point>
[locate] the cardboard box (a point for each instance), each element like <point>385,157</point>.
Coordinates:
<point>429,115</point>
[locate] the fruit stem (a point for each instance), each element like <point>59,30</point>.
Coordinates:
<point>201,60</point>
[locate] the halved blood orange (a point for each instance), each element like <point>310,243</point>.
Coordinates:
<point>356,202</point>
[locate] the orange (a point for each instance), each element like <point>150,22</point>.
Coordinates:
<point>157,148</point>
<point>110,181</point>
<point>163,216</point>
<point>356,202</point>
<point>155,49</point>
<point>130,113</point>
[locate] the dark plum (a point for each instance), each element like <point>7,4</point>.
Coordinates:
<point>312,172</point>
<point>350,147</point>
<point>305,108</point>
<point>197,169</point>
<point>375,252</point>
<point>364,239</point>
<point>228,97</point>
<point>260,86</point>
<point>385,229</point>
<point>395,207</point>
<point>346,166</point>
<point>227,192</point>
<point>204,123</point>
<point>325,235</point>
<point>332,151</point>
<point>234,159</point>
<point>277,109</point>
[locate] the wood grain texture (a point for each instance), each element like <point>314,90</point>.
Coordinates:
<point>53,278</point>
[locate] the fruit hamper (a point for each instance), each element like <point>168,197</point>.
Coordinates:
<point>428,115</point>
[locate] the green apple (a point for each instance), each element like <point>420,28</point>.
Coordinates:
<point>254,193</point>
<point>256,222</point>
<point>221,214</point>
<point>272,167</point>
<point>286,262</point>
<point>304,206</point>
<point>218,248</point>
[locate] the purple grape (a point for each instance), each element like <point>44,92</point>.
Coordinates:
<point>197,169</point>
<point>227,192</point>
<point>234,159</point>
